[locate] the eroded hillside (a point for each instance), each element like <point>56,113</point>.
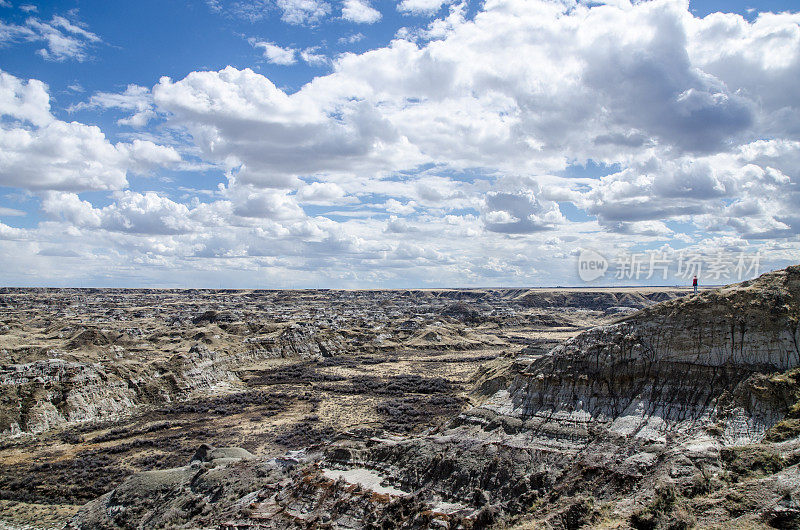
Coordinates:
<point>683,414</point>
<point>100,384</point>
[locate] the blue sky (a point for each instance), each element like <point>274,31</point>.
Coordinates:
<point>413,143</point>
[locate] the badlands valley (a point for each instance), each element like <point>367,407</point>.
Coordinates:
<point>473,408</point>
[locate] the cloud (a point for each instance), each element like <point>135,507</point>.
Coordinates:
<point>298,12</point>
<point>24,100</point>
<point>642,228</point>
<point>351,39</point>
<point>144,155</point>
<point>240,118</point>
<point>250,10</point>
<point>758,60</point>
<point>360,11</point>
<point>10,33</point>
<point>421,7</point>
<point>58,252</point>
<point>745,191</point>
<point>60,155</point>
<point>276,54</point>
<point>498,145</point>
<point>395,206</point>
<point>656,189</point>
<point>520,212</point>
<point>651,71</point>
<point>249,201</point>
<point>526,88</point>
<point>312,58</point>
<point>302,12</point>
<point>396,225</point>
<point>135,99</point>
<point>146,213</point>
<point>70,208</point>
<point>38,151</point>
<point>73,156</point>
<point>11,212</point>
<point>64,39</point>
<point>320,192</point>
<point>406,251</point>
<point>11,233</point>
<point>131,212</point>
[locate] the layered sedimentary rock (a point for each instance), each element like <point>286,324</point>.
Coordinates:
<point>53,392</point>
<point>151,347</point>
<point>676,368</point>
<point>601,299</point>
<point>44,394</point>
<point>685,413</point>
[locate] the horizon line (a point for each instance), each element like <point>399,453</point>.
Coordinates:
<point>480,288</point>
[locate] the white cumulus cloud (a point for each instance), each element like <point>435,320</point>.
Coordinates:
<point>360,11</point>
<point>276,54</point>
<point>421,7</point>
<point>303,11</point>
<point>470,151</point>
<point>135,99</point>
<point>37,151</point>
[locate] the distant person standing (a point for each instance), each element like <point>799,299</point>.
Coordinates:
<point>694,284</point>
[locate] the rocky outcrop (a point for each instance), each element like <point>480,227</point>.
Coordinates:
<point>50,393</point>
<point>212,486</point>
<point>45,394</point>
<point>676,368</point>
<point>656,398</point>
<point>599,300</point>
<point>306,342</point>
<point>161,345</point>
<point>200,368</point>
<point>232,492</point>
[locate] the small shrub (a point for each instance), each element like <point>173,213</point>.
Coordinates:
<point>579,514</point>
<point>750,460</point>
<point>701,485</point>
<point>784,430</point>
<point>665,511</point>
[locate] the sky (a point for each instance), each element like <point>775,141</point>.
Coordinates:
<point>397,143</point>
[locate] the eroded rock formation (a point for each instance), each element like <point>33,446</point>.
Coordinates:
<point>683,414</point>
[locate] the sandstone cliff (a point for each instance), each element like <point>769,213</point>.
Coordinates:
<point>687,366</point>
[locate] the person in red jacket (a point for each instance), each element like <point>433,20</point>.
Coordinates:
<point>694,284</point>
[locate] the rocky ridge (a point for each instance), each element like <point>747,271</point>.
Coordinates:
<point>675,368</point>
<point>57,392</point>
